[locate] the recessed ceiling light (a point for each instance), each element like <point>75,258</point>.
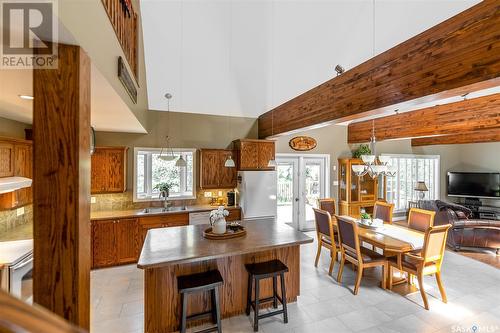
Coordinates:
<point>28,97</point>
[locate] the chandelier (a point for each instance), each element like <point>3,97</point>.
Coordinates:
<point>374,165</point>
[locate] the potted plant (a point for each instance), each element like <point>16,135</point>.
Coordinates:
<point>366,218</point>
<point>361,150</point>
<point>218,220</point>
<point>164,189</point>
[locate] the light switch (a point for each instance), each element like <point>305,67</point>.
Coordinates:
<point>93,200</point>
<point>20,211</point>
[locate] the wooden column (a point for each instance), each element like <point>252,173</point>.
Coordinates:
<point>61,184</point>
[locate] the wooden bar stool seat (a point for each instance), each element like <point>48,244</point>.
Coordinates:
<point>201,282</point>
<point>257,272</point>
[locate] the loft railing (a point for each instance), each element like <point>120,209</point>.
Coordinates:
<point>124,20</point>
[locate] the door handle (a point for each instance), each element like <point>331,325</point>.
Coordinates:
<point>296,199</point>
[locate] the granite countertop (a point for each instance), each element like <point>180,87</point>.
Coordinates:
<point>23,231</point>
<point>114,214</point>
<point>186,244</point>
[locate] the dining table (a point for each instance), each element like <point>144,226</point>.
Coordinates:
<point>393,240</point>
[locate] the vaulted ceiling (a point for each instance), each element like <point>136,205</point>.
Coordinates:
<point>243,58</point>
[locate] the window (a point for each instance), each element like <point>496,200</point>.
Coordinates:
<point>150,170</point>
<point>412,168</point>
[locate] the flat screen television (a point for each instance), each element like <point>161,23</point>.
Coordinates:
<point>474,184</point>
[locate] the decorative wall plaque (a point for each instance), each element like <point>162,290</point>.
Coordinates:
<point>126,80</point>
<point>302,143</point>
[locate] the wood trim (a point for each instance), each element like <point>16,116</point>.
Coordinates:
<point>465,116</point>
<point>489,135</point>
<point>61,186</point>
<point>457,56</point>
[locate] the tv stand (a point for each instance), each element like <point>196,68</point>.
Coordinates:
<point>480,211</point>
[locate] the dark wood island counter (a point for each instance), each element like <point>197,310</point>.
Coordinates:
<point>171,252</point>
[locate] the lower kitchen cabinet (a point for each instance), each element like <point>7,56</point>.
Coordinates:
<point>162,221</point>
<point>115,242</point>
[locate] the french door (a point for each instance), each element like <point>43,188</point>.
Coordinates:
<point>302,180</point>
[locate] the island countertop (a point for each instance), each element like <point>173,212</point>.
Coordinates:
<point>186,244</point>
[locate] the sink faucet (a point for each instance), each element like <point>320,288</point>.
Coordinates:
<point>165,200</point>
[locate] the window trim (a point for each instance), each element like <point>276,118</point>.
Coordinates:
<point>437,158</point>
<point>147,174</point>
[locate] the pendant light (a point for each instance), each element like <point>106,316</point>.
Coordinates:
<point>181,162</point>
<point>169,152</point>
<point>229,163</point>
<point>272,162</point>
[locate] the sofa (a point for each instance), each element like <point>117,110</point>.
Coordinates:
<point>465,231</point>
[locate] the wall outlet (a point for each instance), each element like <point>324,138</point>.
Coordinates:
<point>335,183</point>
<point>93,200</point>
<point>334,167</point>
<point>20,211</point>
<point>207,194</point>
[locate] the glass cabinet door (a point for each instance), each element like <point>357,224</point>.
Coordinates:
<point>343,181</point>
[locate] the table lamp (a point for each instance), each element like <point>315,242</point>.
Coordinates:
<point>421,188</point>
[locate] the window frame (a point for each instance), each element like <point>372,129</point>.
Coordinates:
<point>147,174</point>
<point>437,177</point>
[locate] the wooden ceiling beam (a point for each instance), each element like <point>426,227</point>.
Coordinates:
<point>459,117</point>
<point>457,56</point>
<point>480,136</point>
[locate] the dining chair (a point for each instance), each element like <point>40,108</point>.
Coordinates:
<point>327,204</point>
<point>383,210</point>
<point>428,262</point>
<point>420,219</point>
<point>327,236</point>
<point>351,251</point>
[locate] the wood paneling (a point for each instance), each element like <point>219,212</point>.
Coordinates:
<point>254,154</point>
<point>465,116</point>
<point>489,135</point>
<point>61,186</point>
<point>457,56</point>
<point>162,300</point>
<point>6,159</point>
<point>109,170</point>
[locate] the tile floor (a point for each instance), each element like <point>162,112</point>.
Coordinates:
<point>473,290</point>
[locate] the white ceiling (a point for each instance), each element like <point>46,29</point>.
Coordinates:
<point>108,111</point>
<point>243,58</point>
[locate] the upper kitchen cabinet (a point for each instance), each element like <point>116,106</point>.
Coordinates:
<point>254,154</point>
<point>109,170</point>
<point>16,159</point>
<point>213,173</point>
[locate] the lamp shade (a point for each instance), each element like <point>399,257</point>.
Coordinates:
<point>229,162</point>
<point>181,162</point>
<point>420,186</point>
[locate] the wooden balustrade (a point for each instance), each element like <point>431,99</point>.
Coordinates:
<point>125,25</point>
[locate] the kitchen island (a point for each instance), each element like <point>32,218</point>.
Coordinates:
<point>171,252</point>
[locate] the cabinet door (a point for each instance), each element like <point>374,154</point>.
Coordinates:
<point>227,176</point>
<point>98,172</point>
<point>23,166</point>
<point>115,160</point>
<point>103,243</point>
<point>6,160</point>
<point>266,153</point>
<point>234,215</point>
<point>209,169</point>
<point>127,240</point>
<point>249,159</point>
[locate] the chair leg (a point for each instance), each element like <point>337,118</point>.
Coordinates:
<point>441,287</point>
<point>214,308</point>
<point>341,268</point>
<point>275,298</point>
<point>420,278</point>
<point>384,275</point>
<point>249,294</point>
<point>409,279</point>
<point>358,279</point>
<point>256,310</point>
<point>333,254</point>
<point>389,273</point>
<point>183,312</point>
<point>318,253</point>
<point>283,297</point>
<point>217,311</point>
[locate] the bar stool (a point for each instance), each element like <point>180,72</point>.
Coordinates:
<point>260,271</point>
<point>201,282</point>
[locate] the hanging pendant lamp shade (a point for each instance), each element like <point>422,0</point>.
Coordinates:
<point>229,162</point>
<point>272,163</point>
<point>181,162</point>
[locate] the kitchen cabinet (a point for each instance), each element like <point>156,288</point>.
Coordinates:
<point>109,170</point>
<point>16,159</point>
<point>254,154</point>
<point>115,242</point>
<point>162,221</point>
<point>213,173</point>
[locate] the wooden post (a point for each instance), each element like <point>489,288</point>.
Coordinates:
<point>61,185</point>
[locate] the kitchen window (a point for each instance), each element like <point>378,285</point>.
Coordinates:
<point>150,170</point>
<point>410,169</point>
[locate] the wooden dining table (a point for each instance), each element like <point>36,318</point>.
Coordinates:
<point>383,238</point>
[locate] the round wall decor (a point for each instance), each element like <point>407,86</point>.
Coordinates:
<point>302,143</point>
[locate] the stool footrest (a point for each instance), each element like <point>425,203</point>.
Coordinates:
<point>207,330</point>
<point>199,315</point>
<point>270,314</point>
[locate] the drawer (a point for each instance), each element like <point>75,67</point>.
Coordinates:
<point>169,220</point>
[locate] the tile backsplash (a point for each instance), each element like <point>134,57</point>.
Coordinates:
<point>9,219</point>
<point>124,201</point>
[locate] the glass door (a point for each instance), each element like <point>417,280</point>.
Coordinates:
<point>313,187</point>
<point>287,173</point>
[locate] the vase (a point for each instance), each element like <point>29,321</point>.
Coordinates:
<point>219,226</point>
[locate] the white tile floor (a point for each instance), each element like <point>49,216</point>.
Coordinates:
<point>473,290</point>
